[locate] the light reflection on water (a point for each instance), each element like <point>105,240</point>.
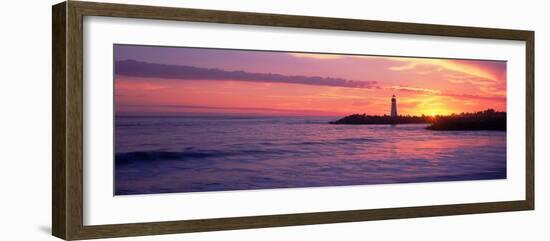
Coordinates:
<point>191,154</point>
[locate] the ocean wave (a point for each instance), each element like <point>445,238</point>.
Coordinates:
<point>359,140</point>
<point>129,157</point>
<point>152,156</point>
<point>312,143</point>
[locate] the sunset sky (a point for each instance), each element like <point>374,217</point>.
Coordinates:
<point>165,80</point>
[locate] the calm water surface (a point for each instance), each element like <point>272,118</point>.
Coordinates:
<point>193,154</point>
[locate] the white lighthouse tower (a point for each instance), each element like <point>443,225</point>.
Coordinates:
<point>393,107</point>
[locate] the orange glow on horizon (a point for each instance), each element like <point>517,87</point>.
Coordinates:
<point>423,86</point>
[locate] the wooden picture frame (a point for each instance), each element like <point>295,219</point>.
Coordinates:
<point>67,124</point>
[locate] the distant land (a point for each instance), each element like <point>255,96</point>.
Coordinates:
<point>483,120</point>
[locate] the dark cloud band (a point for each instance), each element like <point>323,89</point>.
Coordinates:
<point>182,72</point>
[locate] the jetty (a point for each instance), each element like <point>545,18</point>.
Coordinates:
<point>482,120</point>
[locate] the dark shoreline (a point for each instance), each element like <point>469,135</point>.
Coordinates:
<point>483,120</point>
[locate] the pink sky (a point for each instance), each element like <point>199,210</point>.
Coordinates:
<point>161,80</point>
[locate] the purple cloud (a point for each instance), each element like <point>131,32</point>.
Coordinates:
<point>183,72</point>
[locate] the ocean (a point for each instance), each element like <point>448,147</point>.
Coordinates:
<point>201,153</point>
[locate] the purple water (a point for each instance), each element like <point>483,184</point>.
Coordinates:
<point>195,154</point>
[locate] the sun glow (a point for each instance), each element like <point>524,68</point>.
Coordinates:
<point>310,84</point>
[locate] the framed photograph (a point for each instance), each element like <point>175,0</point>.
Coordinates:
<point>171,120</point>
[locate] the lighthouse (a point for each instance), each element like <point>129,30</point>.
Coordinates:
<point>393,107</point>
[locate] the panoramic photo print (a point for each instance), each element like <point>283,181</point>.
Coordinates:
<point>204,119</point>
